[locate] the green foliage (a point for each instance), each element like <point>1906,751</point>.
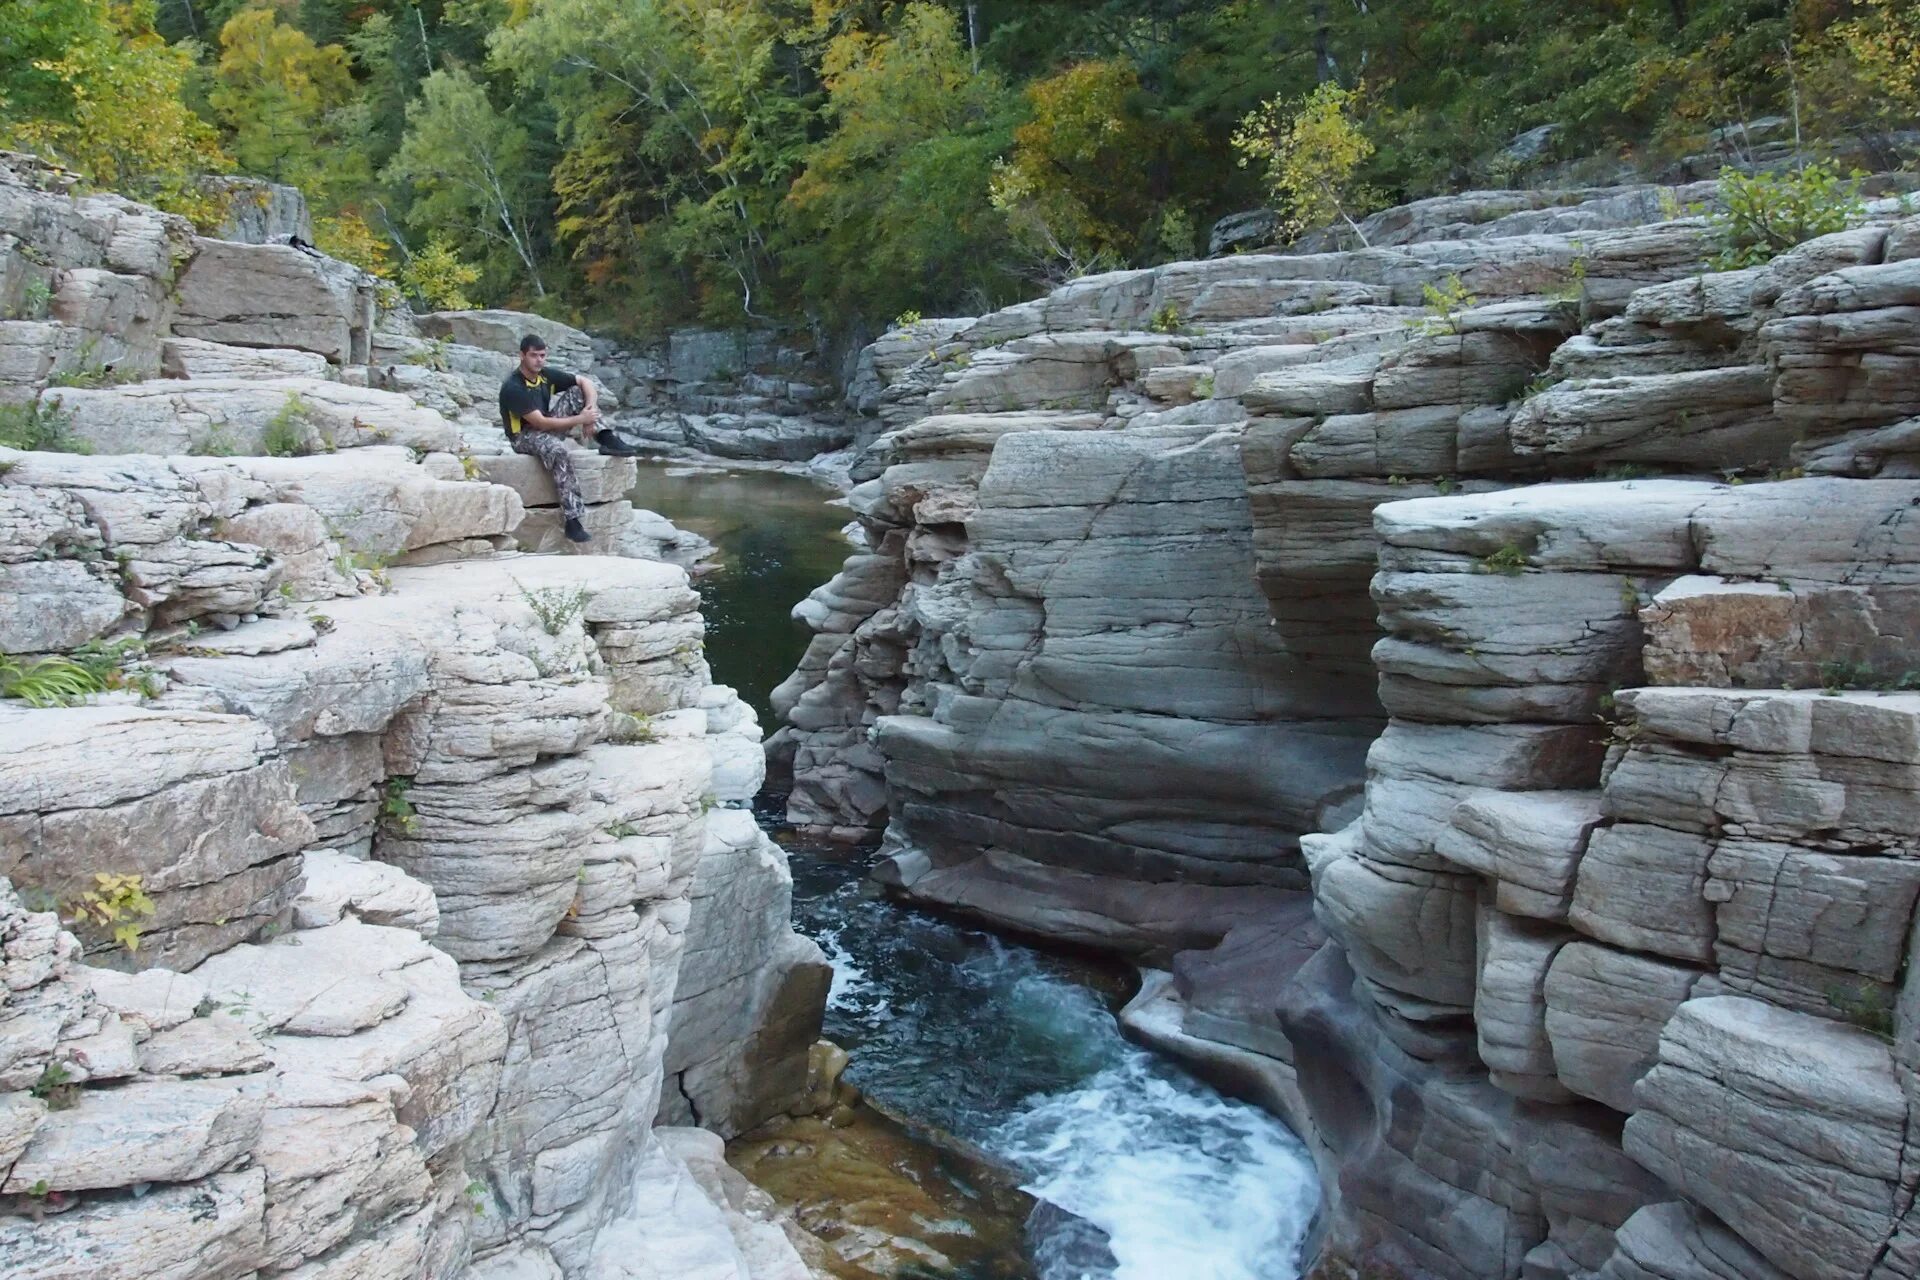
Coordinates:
<point>277,92</point>
<point>101,92</point>
<point>437,277</point>
<point>88,370</point>
<point>289,432</point>
<point>838,162</point>
<point>1166,320</point>
<point>116,905</point>
<point>1866,1005</point>
<point>1839,674</point>
<point>1077,189</point>
<point>1508,560</point>
<point>437,354</point>
<point>472,174</point>
<point>215,442</point>
<point>1445,301</point>
<point>55,1087</point>
<point>35,296</point>
<point>117,664</point>
<point>555,607</point>
<point>40,426</point>
<point>889,210</point>
<point>628,729</point>
<point>47,682</point>
<point>1310,152</point>
<point>1764,214</point>
<point>397,809</point>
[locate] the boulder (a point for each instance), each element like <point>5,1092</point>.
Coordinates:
<point>274,295</point>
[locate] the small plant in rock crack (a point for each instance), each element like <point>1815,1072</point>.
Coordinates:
<point>1167,320</point>
<point>41,427</point>
<point>1538,384</point>
<point>1840,674</point>
<point>1509,560</point>
<point>625,728</point>
<point>35,297</point>
<point>435,355</point>
<point>117,904</point>
<point>46,682</point>
<point>477,1198</point>
<point>556,607</point>
<point>398,809</point>
<point>1866,1006</point>
<point>1445,301</point>
<point>619,831</point>
<point>56,1087</point>
<point>289,432</point>
<point>1203,387</point>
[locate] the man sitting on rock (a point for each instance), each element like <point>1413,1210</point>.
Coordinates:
<point>540,407</point>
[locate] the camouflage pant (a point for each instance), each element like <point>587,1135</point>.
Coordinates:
<point>554,449</point>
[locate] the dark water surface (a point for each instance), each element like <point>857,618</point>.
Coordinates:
<point>779,539</point>
<point>1142,1172</point>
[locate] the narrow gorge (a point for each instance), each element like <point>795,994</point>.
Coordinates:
<point>1456,693</point>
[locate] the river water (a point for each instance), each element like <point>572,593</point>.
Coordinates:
<point>1141,1172</point>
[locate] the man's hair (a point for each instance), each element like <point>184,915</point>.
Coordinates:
<point>532,342</point>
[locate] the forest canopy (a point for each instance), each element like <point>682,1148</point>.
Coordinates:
<point>659,162</point>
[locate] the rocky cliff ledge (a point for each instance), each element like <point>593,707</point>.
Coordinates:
<point>372,924</point>
<point>1531,829</point>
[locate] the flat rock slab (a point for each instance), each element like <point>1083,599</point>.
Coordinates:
<point>145,1131</point>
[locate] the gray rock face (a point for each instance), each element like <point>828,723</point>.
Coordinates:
<point>500,332</point>
<point>262,212</point>
<point>383,937</point>
<point>104,266</point>
<point>273,295</point>
<point>1619,902</point>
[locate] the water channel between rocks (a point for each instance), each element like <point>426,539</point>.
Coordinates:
<point>975,1043</point>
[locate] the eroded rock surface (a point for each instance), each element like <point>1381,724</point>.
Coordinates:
<point>343,937</point>
<point>1557,643</point>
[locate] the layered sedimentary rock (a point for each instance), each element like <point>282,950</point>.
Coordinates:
<point>1599,774</point>
<point>344,937</point>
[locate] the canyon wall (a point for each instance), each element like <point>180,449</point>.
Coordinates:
<point>374,919</point>
<point>1469,674</point>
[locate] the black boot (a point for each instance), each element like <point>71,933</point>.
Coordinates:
<point>612,445</point>
<point>577,532</point>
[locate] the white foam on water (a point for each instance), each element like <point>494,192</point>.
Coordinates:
<point>1183,1182</point>
<point>851,990</point>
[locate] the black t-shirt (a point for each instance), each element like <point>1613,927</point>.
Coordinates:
<point>518,397</point>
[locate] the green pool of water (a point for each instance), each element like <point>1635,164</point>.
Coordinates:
<point>778,540</point>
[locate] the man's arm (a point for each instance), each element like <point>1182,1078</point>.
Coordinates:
<point>541,422</point>
<point>589,416</point>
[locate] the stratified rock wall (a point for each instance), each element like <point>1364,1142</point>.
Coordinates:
<point>345,937</point>
<point>1575,682</point>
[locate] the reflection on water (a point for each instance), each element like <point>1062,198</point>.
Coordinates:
<point>778,540</point>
